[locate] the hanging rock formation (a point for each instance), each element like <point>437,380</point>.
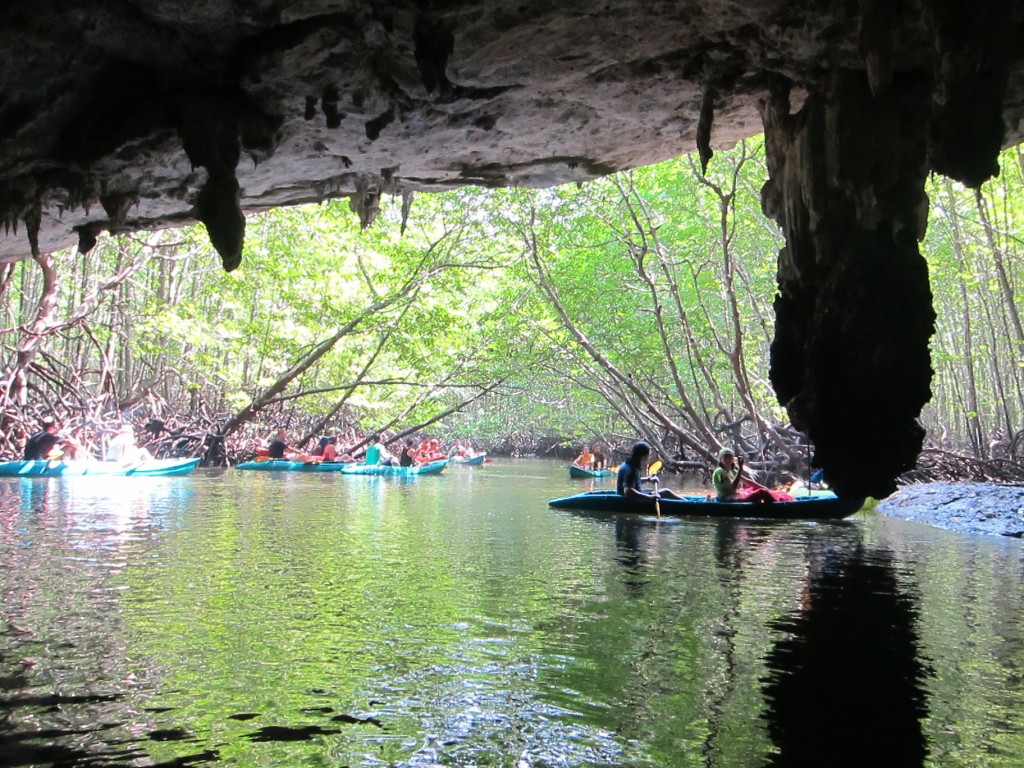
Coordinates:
<point>854,309</point>
<point>115,117</point>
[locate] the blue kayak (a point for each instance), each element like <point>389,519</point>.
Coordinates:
<point>342,468</point>
<point>150,468</point>
<point>817,507</point>
<point>471,461</point>
<point>576,471</point>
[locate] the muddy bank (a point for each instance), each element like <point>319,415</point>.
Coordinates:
<point>964,507</point>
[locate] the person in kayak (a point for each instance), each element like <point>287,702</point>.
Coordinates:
<point>42,443</point>
<point>732,485</point>
<point>278,448</point>
<point>630,475</point>
<point>124,449</point>
<point>376,453</point>
<point>585,459</point>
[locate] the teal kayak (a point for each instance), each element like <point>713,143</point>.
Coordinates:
<point>341,468</point>
<point>478,459</point>
<point>823,507</point>
<point>577,471</point>
<point>430,468</point>
<point>150,468</point>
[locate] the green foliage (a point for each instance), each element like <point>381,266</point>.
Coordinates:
<point>667,275</point>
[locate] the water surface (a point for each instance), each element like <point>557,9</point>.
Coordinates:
<point>254,619</point>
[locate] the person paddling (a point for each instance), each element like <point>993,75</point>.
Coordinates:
<point>627,482</point>
<point>279,449</point>
<point>42,444</point>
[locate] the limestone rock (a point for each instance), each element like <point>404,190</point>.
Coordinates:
<point>153,103</point>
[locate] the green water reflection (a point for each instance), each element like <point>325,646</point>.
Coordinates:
<point>259,620</point>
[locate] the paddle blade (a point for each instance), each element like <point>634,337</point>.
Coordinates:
<point>654,467</point>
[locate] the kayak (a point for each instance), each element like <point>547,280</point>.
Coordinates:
<point>342,468</point>
<point>577,471</point>
<point>150,468</point>
<point>430,468</point>
<point>800,488</point>
<point>283,465</point>
<point>818,507</point>
<point>478,459</point>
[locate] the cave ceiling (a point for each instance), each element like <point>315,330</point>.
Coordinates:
<point>120,115</point>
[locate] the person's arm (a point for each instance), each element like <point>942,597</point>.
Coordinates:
<point>633,493</point>
<point>739,475</point>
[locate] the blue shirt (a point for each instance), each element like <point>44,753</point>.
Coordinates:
<point>628,477</point>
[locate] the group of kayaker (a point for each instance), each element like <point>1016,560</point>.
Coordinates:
<point>49,445</point>
<point>595,459</point>
<point>396,453</point>
<point>728,478</point>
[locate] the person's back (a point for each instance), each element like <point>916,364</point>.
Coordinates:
<point>123,449</point>
<point>117,448</point>
<point>406,457</point>
<point>627,477</point>
<point>331,450</point>
<point>373,451</point>
<point>39,445</point>
<point>278,446</point>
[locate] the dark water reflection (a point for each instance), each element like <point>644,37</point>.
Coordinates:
<point>269,621</point>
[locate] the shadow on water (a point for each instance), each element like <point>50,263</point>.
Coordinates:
<point>845,686</point>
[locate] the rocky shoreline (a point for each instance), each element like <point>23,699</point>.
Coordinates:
<point>987,508</point>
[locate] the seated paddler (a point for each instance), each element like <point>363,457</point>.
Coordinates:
<point>732,485</point>
<point>631,475</point>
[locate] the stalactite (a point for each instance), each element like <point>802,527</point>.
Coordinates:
<point>854,312</point>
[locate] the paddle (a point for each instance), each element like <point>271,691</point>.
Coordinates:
<point>652,470</point>
<point>747,479</point>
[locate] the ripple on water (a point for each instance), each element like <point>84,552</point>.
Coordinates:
<point>266,621</point>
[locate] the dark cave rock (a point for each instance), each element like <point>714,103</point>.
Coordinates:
<point>854,310</point>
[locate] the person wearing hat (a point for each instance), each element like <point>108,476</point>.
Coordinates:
<point>42,444</point>
<point>731,485</point>
<point>727,475</point>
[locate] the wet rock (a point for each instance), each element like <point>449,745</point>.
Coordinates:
<point>964,507</point>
